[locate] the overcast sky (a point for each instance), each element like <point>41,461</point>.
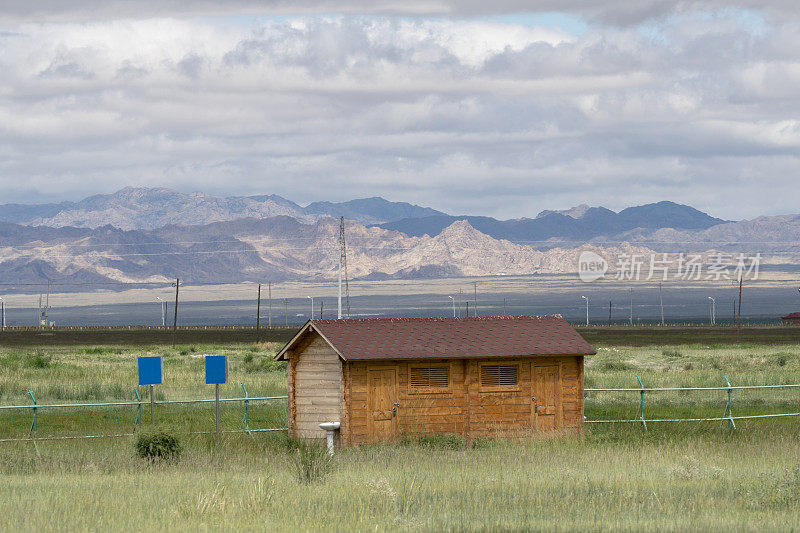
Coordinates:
<point>469,107</point>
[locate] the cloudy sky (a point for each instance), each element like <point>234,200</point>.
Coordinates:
<point>469,107</point>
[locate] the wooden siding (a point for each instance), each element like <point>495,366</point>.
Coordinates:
<point>464,408</point>
<point>316,388</point>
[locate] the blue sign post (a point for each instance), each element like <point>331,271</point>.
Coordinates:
<point>216,374</point>
<point>216,369</point>
<point>151,372</point>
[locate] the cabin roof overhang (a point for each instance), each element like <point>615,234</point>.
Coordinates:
<point>444,338</point>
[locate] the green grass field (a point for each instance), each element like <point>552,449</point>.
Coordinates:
<point>674,476</point>
<point>612,480</point>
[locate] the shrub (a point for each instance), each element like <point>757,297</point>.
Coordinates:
<point>157,445</point>
<point>672,354</point>
<point>263,364</point>
<point>443,441</point>
<point>40,360</point>
<point>611,366</point>
<point>312,462</point>
<point>99,350</point>
<point>484,444</point>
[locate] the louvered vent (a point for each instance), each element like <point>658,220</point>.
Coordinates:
<point>499,375</point>
<point>430,377</point>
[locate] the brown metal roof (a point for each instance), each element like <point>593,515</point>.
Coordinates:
<point>422,338</point>
<point>791,316</point>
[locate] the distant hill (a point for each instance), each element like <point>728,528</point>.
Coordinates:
<point>284,247</point>
<point>149,215</point>
<point>371,210</point>
<point>582,223</point>
<point>149,208</point>
<point>272,249</point>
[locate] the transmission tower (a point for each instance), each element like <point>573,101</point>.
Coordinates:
<point>343,271</point>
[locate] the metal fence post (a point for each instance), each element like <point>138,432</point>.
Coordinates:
<point>729,408</point>
<point>138,408</point>
<point>246,409</point>
<point>641,402</point>
<point>33,426</point>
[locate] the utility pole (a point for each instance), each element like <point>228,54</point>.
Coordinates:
<point>609,314</point>
<point>3,314</point>
<point>321,307</point>
<point>454,305</point>
<point>475,284</point>
<point>39,315</point>
<point>269,296</point>
<point>175,318</point>
<point>163,305</point>
<point>587,309</point>
<point>631,306</point>
<point>713,310</point>
<point>467,313</point>
<point>47,306</point>
<point>286,312</point>
<point>258,312</point>
<point>739,318</point>
<point>343,272</point>
<point>312,306</point>
<point>661,303</point>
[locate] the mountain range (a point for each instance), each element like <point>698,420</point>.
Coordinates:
<point>151,208</point>
<point>153,235</point>
<point>577,225</point>
<point>276,249</point>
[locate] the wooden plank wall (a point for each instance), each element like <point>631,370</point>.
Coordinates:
<point>572,392</point>
<point>418,413</point>
<point>316,388</point>
<point>464,409</point>
<point>500,414</point>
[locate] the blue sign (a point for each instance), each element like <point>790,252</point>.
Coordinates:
<point>216,369</point>
<point>151,370</point>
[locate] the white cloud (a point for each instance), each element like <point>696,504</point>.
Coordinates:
<point>463,115</point>
<point>618,12</point>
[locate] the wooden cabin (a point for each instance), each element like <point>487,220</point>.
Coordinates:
<point>476,377</point>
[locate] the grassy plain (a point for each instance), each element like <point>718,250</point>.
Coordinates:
<point>610,480</point>
<point>617,477</point>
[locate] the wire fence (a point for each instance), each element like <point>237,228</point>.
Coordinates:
<point>259,414</point>
<point>642,405</point>
<point>245,414</point>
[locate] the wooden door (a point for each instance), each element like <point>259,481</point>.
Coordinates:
<point>382,396</point>
<point>547,393</point>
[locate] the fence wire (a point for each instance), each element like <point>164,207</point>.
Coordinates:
<point>252,414</point>
<point>727,403</point>
<point>120,419</point>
